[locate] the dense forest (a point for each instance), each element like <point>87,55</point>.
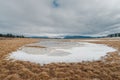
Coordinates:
<point>114,35</point>
<point>11,35</point>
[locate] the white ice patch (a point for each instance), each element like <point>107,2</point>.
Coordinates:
<point>85,52</point>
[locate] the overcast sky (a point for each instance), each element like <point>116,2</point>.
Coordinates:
<point>53,17</point>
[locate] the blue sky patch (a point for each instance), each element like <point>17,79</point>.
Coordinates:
<point>55,3</point>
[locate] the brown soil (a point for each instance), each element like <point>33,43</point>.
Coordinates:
<point>106,69</point>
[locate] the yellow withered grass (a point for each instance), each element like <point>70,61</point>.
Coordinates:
<point>108,68</point>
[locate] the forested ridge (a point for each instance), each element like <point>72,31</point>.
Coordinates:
<point>114,35</point>
<point>11,35</point>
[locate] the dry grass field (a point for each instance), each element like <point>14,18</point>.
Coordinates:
<point>108,68</point>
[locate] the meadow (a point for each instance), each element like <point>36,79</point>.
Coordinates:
<point>108,68</point>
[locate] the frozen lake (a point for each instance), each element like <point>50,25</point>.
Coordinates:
<point>60,51</point>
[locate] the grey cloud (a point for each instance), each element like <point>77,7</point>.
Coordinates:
<point>85,17</point>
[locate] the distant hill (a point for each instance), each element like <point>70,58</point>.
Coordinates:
<point>76,37</point>
<point>62,37</point>
<point>45,37</point>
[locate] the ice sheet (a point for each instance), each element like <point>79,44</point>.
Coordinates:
<point>84,52</point>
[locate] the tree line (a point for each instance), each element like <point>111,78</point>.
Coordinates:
<point>11,35</point>
<point>114,35</point>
